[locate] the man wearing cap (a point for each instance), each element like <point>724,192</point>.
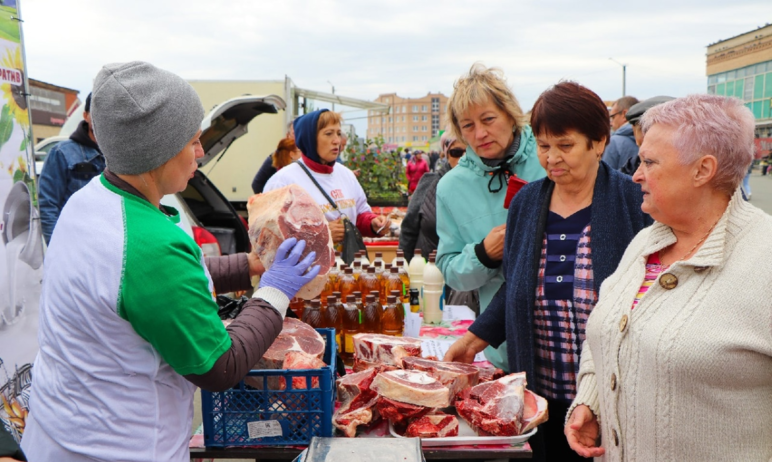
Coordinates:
<point>69,166</point>
<point>633,117</point>
<point>128,323</point>
<point>621,146</point>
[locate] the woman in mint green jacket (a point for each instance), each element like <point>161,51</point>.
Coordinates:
<point>470,198</point>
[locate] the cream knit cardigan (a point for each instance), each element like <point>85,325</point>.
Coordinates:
<point>687,374</point>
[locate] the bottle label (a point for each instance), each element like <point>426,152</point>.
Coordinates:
<point>337,341</point>
<point>415,304</point>
<point>349,343</point>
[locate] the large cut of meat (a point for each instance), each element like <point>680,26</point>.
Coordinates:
<point>301,360</point>
<point>455,376</point>
<point>496,407</point>
<point>357,402</point>
<point>295,335</point>
<point>399,413</point>
<point>488,374</point>
<point>412,387</point>
<point>372,350</point>
<point>535,412</point>
<point>291,212</point>
<point>435,425</point>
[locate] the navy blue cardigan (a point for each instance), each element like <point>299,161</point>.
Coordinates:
<point>616,219</point>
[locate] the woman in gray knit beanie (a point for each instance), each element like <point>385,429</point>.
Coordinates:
<point>128,322</point>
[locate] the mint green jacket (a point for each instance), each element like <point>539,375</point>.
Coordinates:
<point>466,212</point>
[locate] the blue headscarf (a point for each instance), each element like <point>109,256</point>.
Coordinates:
<point>305,135</point>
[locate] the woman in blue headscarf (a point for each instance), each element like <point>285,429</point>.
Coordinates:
<point>318,135</point>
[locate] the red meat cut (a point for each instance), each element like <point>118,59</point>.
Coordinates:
<point>372,350</point>
<point>495,407</point>
<point>455,376</point>
<point>357,402</point>
<point>488,374</point>
<point>294,336</point>
<point>399,413</point>
<point>291,212</point>
<point>301,360</point>
<point>412,387</point>
<point>435,425</point>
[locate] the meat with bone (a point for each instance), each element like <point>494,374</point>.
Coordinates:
<point>376,349</point>
<point>488,374</point>
<point>496,407</point>
<point>399,413</point>
<point>294,336</point>
<point>291,212</point>
<point>435,425</point>
<point>357,402</point>
<point>412,387</point>
<point>455,376</point>
<point>535,412</point>
<point>301,360</point>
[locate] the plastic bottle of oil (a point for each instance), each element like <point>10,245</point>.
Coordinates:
<point>368,281</point>
<point>327,290</point>
<point>348,285</point>
<point>394,282</point>
<point>363,258</point>
<point>351,327</point>
<point>371,315</point>
<point>312,315</point>
<point>339,263</point>
<point>333,318</point>
<point>378,260</point>
<point>400,260</point>
<point>333,276</point>
<point>356,268</point>
<point>298,305</point>
<point>405,284</point>
<point>393,318</point>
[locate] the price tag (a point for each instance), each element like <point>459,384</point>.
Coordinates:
<point>264,428</point>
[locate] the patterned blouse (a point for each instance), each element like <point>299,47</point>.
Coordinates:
<point>565,295</point>
<point>653,269</point>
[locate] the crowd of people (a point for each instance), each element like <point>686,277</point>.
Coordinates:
<point>626,276</point>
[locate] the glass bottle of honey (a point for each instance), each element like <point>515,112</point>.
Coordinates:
<point>333,318</point>
<point>371,316</point>
<point>348,285</point>
<point>393,318</point>
<point>351,327</point>
<point>312,315</point>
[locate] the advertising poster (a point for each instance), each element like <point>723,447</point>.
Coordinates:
<point>21,248</point>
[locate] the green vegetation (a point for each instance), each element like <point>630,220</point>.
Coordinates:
<point>380,173</point>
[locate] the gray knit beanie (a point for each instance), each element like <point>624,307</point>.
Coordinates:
<point>142,116</point>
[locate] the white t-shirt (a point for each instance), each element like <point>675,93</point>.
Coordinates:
<point>341,185</point>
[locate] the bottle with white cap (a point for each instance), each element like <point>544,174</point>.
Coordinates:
<point>433,296</point>
<point>416,274</point>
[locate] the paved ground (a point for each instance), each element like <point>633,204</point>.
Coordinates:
<point>761,191</point>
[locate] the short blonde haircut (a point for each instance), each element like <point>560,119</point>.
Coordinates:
<point>479,86</point>
<point>328,118</point>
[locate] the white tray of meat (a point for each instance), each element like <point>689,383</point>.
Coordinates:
<point>467,436</point>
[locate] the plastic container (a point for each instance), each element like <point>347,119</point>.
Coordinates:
<point>245,416</point>
<point>393,318</point>
<point>351,327</point>
<point>416,274</point>
<point>434,285</point>
<point>312,315</point>
<point>400,261</point>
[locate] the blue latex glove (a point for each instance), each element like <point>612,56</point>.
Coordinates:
<point>287,274</point>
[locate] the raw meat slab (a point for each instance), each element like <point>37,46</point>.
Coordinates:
<point>398,413</point>
<point>412,387</point>
<point>455,376</point>
<point>535,412</point>
<point>377,349</point>
<point>496,407</point>
<point>357,402</point>
<point>436,425</point>
<point>291,212</point>
<point>301,360</point>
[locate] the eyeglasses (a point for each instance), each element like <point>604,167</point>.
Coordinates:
<point>456,152</point>
<point>615,114</point>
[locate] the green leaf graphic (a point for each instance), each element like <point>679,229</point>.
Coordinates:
<point>6,125</point>
<point>18,175</point>
<point>23,146</point>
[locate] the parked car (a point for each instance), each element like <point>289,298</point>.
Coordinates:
<point>205,213</point>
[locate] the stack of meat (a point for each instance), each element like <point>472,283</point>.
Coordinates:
<point>393,382</point>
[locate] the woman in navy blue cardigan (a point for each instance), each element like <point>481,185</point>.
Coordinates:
<point>565,235</point>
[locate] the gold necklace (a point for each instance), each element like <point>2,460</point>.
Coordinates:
<point>698,242</point>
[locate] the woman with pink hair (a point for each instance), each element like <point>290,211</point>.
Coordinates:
<point>677,363</point>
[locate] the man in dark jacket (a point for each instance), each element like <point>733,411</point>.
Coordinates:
<point>621,146</point>
<point>68,167</point>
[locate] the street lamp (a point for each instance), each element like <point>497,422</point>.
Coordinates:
<point>333,92</point>
<point>624,76</point>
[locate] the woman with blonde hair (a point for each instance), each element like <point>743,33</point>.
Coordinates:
<point>484,113</point>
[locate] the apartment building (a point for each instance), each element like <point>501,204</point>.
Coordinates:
<point>411,122</point>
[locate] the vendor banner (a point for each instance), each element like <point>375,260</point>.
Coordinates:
<point>21,244</point>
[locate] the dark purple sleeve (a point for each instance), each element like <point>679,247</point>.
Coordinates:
<point>229,272</point>
<point>252,333</point>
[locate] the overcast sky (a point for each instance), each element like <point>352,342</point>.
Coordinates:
<point>410,47</point>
